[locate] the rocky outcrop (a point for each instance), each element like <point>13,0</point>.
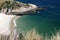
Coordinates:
<point>16,8</point>
<point>8,12</point>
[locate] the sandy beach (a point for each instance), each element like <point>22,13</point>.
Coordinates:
<point>7,23</point>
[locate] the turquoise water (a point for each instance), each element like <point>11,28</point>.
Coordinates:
<point>47,21</point>
<point>42,24</point>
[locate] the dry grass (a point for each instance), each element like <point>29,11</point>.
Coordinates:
<point>33,35</point>
<point>30,35</point>
<point>56,37</point>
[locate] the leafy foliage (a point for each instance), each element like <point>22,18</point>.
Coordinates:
<point>9,4</point>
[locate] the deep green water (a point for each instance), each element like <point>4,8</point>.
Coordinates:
<point>48,21</point>
<point>42,24</point>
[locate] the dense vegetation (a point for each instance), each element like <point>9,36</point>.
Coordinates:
<point>12,4</point>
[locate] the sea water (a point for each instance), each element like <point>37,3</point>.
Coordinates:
<point>47,21</point>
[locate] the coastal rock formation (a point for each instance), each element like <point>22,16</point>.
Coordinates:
<point>15,7</point>
<point>9,12</point>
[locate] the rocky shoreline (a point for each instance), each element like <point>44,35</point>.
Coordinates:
<point>9,11</point>
<point>15,7</point>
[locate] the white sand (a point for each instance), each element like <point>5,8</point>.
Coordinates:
<point>6,23</point>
